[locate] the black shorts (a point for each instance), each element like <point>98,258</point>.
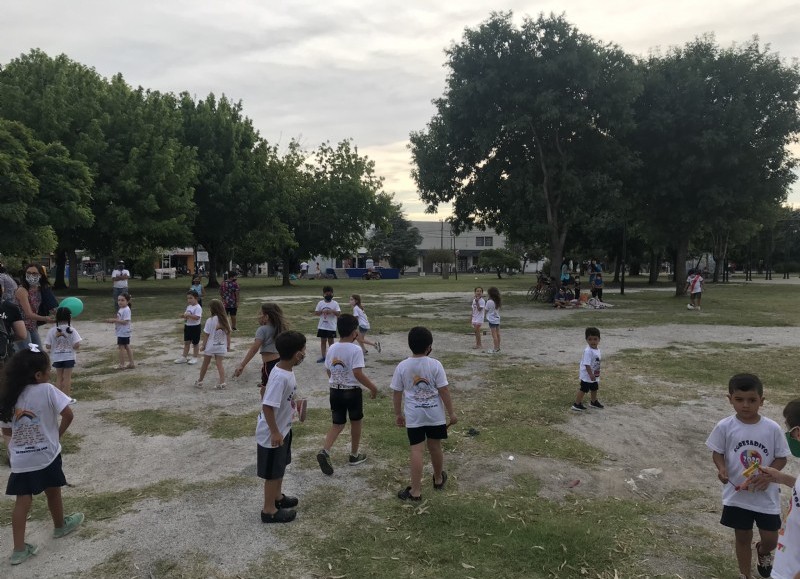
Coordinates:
<point>266,368</point>
<point>191,334</point>
<point>346,402</point>
<point>64,364</point>
<point>330,334</point>
<point>34,483</point>
<point>743,519</point>
<point>418,434</point>
<point>271,463</point>
<point>123,341</point>
<point>231,311</point>
<point>589,386</point>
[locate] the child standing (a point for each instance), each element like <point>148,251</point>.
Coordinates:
<point>216,343</point>
<point>736,443</point>
<point>363,324</point>
<point>229,293</point>
<point>597,286</point>
<point>694,285</point>
<point>191,329</point>
<point>197,286</point>
<point>344,364</point>
<point>272,323</point>
<point>493,317</point>
<point>122,328</point>
<point>29,411</point>
<point>328,310</point>
<point>478,305</point>
<point>420,387</point>
<point>63,341</point>
<point>274,428</point>
<point>589,372</point>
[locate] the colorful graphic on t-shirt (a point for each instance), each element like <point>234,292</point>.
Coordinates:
<point>425,395</point>
<point>750,457</point>
<point>338,371</point>
<point>27,430</point>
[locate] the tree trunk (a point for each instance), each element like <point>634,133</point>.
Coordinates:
<point>73,270</point>
<point>212,269</point>
<point>655,267</point>
<point>61,261</point>
<point>681,253</point>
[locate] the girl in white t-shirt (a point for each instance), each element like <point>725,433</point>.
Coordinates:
<point>478,306</point>
<point>122,328</point>
<point>63,342</point>
<point>363,324</point>
<point>29,411</point>
<point>216,343</point>
<point>493,317</point>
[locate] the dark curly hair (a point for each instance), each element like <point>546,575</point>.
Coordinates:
<point>18,373</point>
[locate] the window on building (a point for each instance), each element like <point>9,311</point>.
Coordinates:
<point>484,242</point>
<point>479,242</point>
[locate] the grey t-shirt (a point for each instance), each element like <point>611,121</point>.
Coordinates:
<point>267,336</point>
<point>9,288</point>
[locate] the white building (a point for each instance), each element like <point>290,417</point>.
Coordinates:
<point>468,245</point>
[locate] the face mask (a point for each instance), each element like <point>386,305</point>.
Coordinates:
<point>32,279</point>
<point>328,298</point>
<point>300,361</point>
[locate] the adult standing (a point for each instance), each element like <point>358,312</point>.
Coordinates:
<point>36,301</point>
<point>11,316</point>
<point>9,285</point>
<point>304,270</point>
<point>370,265</point>
<point>229,292</point>
<point>120,277</point>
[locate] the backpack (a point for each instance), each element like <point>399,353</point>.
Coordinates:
<point>6,339</point>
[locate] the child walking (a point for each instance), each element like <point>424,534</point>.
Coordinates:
<point>589,372</point>
<point>216,343</point>
<point>29,410</point>
<point>63,341</point>
<point>122,328</point>
<point>271,324</point>
<point>274,428</point>
<point>736,443</point>
<point>328,310</point>
<point>363,324</point>
<point>420,397</point>
<point>694,285</point>
<point>344,364</point>
<point>493,317</point>
<point>191,328</point>
<point>478,306</point>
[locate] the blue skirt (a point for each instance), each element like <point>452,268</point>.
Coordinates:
<point>35,482</point>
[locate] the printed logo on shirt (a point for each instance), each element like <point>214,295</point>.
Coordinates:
<point>750,457</point>
<point>425,395</point>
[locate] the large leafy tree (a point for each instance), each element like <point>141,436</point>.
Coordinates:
<point>397,239</point>
<point>527,130</point>
<point>713,129</point>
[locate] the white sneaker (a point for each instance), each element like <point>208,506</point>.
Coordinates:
<point>490,351</point>
<point>689,307</point>
<point>72,401</point>
<point>192,361</point>
<point>181,360</point>
<point>198,384</point>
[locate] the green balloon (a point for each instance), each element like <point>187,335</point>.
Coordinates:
<point>74,305</point>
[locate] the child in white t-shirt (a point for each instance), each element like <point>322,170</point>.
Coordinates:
<point>216,343</point>
<point>694,285</point>
<point>123,329</point>
<point>63,341</point>
<point>363,324</point>
<point>327,310</point>
<point>30,408</point>
<point>493,317</point>
<point>589,372</point>
<point>737,443</point>
<point>478,313</point>
<point>191,328</point>
<point>344,364</point>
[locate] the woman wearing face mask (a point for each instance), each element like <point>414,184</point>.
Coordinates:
<point>34,288</point>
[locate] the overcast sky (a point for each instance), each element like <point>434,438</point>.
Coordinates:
<point>329,70</point>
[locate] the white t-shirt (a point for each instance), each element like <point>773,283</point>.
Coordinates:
<point>591,358</point>
<point>363,322</point>
<point>280,395</point>
<point>478,311</point>
<point>370,264</point>
<point>304,266</point>
<point>266,334</point>
<point>742,445</point>
<point>420,379</point>
<point>341,359</point>
<point>327,321</point>
<point>492,313</point>
<point>34,428</point>
<point>787,555</point>
<point>124,330</point>
<point>695,282</point>
<point>61,343</point>
<point>123,282</point>
<point>217,338</point>
<point>195,310</point>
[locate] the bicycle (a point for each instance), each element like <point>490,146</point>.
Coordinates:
<point>542,291</point>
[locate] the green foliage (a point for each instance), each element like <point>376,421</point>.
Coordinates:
<point>499,260</point>
<point>397,239</point>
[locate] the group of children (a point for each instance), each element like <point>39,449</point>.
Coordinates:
<point>488,310</point>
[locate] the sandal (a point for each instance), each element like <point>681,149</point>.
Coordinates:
<point>279,516</point>
<point>198,383</point>
<point>130,367</point>
<point>405,495</point>
<point>440,486</point>
<point>220,386</point>
<point>286,502</point>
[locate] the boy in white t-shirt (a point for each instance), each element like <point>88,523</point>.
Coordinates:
<point>478,313</point>
<point>589,372</point>
<point>420,387</point>
<point>694,285</point>
<point>344,364</point>
<point>328,310</point>
<point>737,443</point>
<point>274,428</point>
<point>191,329</point>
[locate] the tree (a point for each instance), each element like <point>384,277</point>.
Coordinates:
<point>499,260</point>
<point>713,132</point>
<point>528,129</point>
<point>397,239</point>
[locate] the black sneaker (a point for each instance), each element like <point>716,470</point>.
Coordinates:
<point>578,407</point>
<point>286,502</point>
<point>764,564</point>
<point>324,460</point>
<point>357,458</point>
<point>596,404</point>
